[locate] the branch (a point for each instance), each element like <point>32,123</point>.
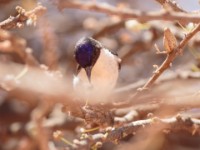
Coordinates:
<point>170,57</point>
<point>174,124</point>
<point>130,14</point>
<point>165,65</point>
<point>22,17</point>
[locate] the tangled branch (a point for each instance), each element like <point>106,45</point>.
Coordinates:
<point>173,124</point>
<point>22,17</point>
<point>130,13</point>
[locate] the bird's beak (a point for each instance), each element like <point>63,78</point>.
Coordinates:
<point>88,72</point>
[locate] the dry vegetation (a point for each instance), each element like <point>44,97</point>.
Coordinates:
<point>156,102</point>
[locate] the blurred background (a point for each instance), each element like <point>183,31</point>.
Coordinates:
<point>52,41</point>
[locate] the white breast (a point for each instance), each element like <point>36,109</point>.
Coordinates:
<point>103,76</point>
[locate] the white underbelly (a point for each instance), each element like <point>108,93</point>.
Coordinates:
<point>104,76</point>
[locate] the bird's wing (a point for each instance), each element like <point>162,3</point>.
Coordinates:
<point>117,58</point>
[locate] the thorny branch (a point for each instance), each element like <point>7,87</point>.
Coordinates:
<point>165,65</point>
<point>170,57</point>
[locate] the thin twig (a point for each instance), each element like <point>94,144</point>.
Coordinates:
<point>170,57</point>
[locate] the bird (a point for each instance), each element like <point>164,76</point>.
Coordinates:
<point>97,69</point>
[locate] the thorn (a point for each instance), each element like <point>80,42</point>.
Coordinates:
<point>157,69</point>
<point>157,49</point>
<point>155,66</point>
